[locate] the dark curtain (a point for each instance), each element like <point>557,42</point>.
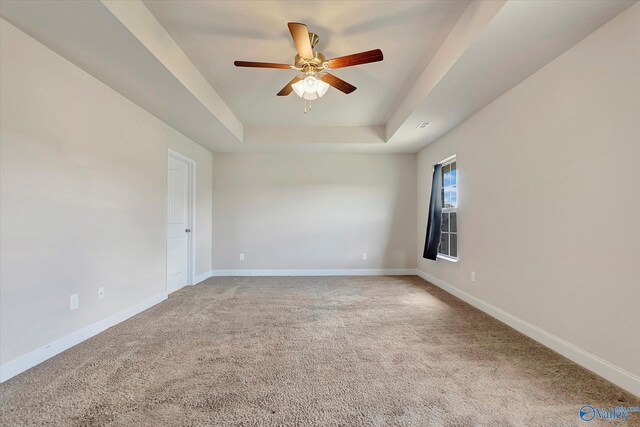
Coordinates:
<point>434,221</point>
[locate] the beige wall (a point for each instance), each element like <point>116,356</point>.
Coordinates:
<point>314,211</point>
<point>549,201</point>
<point>83,197</point>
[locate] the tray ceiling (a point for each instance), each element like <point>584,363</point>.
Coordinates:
<point>214,34</point>
<point>444,60</point>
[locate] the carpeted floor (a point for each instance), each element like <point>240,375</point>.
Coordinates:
<point>308,351</point>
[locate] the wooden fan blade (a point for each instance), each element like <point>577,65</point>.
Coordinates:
<point>356,59</point>
<point>300,35</point>
<point>338,83</point>
<point>260,65</point>
<point>288,88</point>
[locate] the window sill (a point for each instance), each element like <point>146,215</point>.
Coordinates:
<point>447,258</point>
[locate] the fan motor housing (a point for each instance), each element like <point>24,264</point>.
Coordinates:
<point>315,64</point>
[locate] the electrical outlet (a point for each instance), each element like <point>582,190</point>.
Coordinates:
<point>73,302</point>
<point>241,257</point>
<point>473,276</point>
<point>364,256</point>
<point>100,292</point>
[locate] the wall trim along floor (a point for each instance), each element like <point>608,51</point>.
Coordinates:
<point>323,272</point>
<point>39,355</point>
<point>202,277</point>
<point>610,372</point>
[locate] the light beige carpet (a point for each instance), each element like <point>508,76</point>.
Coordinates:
<point>308,351</point>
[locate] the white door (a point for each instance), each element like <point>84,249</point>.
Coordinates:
<point>178,224</point>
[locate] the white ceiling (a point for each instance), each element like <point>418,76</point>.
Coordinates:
<point>444,60</point>
<point>214,34</point>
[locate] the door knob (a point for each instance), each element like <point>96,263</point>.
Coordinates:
<point>187,230</point>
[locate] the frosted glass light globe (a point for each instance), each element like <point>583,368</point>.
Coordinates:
<point>310,96</point>
<point>310,84</point>
<point>298,87</point>
<point>322,88</point>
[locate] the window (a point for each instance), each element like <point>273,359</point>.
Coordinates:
<point>448,248</point>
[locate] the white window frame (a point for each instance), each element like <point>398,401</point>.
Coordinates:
<point>443,163</point>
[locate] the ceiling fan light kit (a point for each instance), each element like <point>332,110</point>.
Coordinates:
<point>310,88</point>
<point>314,79</point>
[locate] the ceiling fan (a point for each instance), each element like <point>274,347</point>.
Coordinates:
<point>314,79</point>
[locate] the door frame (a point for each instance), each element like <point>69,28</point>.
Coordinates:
<point>191,241</point>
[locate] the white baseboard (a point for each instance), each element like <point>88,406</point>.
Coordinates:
<point>203,277</point>
<point>39,355</point>
<point>345,272</point>
<point>610,372</point>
